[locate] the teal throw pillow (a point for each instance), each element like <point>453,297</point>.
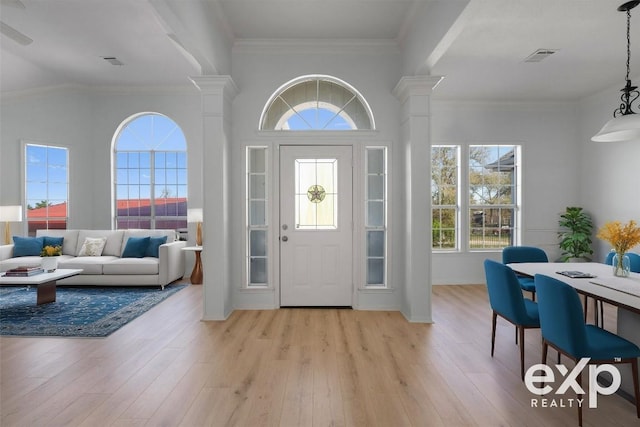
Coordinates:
<point>136,247</point>
<point>52,241</point>
<point>154,246</point>
<point>27,246</point>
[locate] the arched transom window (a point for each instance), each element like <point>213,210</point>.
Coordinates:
<point>317,103</point>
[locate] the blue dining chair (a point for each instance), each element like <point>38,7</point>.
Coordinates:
<point>563,327</point>
<point>507,301</point>
<point>634,259</point>
<point>512,254</point>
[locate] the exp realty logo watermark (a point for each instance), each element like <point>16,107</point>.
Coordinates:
<point>541,384</point>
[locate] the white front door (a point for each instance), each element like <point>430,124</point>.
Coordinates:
<point>316,226</point>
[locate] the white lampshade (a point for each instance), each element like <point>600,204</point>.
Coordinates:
<point>194,215</point>
<point>11,213</point>
<point>620,129</point>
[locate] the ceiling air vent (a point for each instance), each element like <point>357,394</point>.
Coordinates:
<point>540,54</point>
<point>112,60</point>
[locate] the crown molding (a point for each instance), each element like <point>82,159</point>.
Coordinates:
<point>43,90</point>
<point>415,85</point>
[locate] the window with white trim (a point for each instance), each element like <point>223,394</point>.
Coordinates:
<point>316,102</point>
<point>257,217</point>
<point>489,213</point>
<point>445,176</point>
<point>493,201</point>
<point>376,216</point>
<point>150,176</point>
<point>46,187</point>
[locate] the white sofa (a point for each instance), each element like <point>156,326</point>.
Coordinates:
<point>109,268</point>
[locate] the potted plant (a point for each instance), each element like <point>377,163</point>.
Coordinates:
<point>575,238</point>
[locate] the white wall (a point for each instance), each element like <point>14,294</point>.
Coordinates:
<point>258,71</point>
<point>609,172</point>
<point>56,117</point>
<point>551,168</point>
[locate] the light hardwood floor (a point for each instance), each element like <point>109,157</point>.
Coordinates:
<point>289,367</point>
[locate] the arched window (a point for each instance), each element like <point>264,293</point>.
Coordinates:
<point>150,176</point>
<point>317,102</point>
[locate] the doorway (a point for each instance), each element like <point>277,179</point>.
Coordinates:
<point>316,226</point>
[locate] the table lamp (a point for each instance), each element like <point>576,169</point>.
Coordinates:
<point>195,215</point>
<point>9,214</point>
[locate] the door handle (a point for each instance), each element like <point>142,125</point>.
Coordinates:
<point>285,238</point>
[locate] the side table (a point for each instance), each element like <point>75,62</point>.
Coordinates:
<point>196,274</point>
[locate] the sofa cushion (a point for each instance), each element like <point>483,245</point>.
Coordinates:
<point>70,239</point>
<point>88,264</point>
<point>27,246</point>
<point>136,247</point>
<point>171,234</point>
<point>145,265</point>
<point>92,246</point>
<point>53,241</point>
<point>113,245</point>
<point>153,249</point>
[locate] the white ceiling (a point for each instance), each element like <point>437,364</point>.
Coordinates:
<point>313,19</point>
<point>499,34</point>
<point>481,57</point>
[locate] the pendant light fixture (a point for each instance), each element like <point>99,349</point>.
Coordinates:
<point>625,125</point>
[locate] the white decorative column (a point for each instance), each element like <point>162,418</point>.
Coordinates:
<point>218,93</point>
<point>415,149</point>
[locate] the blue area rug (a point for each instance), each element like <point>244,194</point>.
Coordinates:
<point>83,311</point>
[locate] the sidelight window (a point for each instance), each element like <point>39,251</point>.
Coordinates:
<point>257,204</point>
<point>375,215</point>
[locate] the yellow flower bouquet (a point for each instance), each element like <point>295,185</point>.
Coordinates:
<point>622,238</point>
<point>51,251</point>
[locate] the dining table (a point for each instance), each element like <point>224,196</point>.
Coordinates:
<point>596,280</point>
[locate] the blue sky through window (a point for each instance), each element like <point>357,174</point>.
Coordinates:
<point>151,132</point>
<point>317,119</point>
<point>46,174</point>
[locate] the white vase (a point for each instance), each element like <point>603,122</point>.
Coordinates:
<point>49,263</point>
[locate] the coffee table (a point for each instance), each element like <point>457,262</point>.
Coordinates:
<point>45,283</point>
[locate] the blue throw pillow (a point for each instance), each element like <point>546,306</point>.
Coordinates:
<point>136,247</point>
<point>27,246</point>
<point>52,241</point>
<point>154,246</point>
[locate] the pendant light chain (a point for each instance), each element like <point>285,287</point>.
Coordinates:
<point>629,92</point>
<point>628,43</point>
